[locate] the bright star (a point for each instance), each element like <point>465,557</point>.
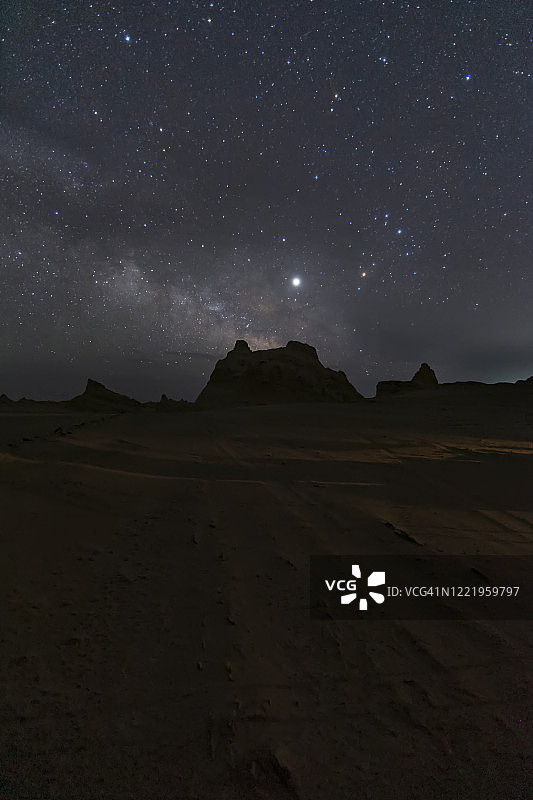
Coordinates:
<point>296,281</point>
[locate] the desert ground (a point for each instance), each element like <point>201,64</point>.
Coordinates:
<point>156,639</point>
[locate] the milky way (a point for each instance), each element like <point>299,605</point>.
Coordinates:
<point>179,175</point>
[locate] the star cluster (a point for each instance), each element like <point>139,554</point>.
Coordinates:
<point>178,175</point>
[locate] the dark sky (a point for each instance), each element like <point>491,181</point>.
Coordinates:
<point>169,169</point>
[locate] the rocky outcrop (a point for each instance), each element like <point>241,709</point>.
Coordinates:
<point>291,374</point>
<point>423,379</point>
<point>168,404</point>
<point>98,397</point>
<point>501,393</point>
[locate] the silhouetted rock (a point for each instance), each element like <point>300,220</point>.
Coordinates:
<point>423,379</point>
<point>390,387</point>
<point>503,394</point>
<point>168,404</point>
<point>288,374</point>
<point>4,399</point>
<point>98,397</point>
<point>241,346</point>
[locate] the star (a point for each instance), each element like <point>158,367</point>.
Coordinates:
<point>198,174</point>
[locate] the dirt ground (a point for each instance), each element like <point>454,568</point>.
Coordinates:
<point>156,639</point>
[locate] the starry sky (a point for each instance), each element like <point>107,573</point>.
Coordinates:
<point>178,175</point>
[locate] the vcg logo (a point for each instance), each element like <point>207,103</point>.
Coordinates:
<point>350,587</point>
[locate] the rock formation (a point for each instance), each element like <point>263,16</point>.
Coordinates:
<point>291,374</point>
<point>528,382</point>
<point>98,397</point>
<point>168,404</point>
<point>423,379</point>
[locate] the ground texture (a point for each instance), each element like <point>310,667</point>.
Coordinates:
<point>155,633</point>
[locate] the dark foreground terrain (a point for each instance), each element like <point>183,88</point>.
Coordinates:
<point>155,634</point>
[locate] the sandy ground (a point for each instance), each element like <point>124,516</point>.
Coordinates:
<point>155,633</point>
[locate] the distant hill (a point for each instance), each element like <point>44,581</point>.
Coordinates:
<point>98,397</point>
<point>423,379</point>
<point>424,385</point>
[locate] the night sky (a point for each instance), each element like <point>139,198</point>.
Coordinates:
<point>179,175</point>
